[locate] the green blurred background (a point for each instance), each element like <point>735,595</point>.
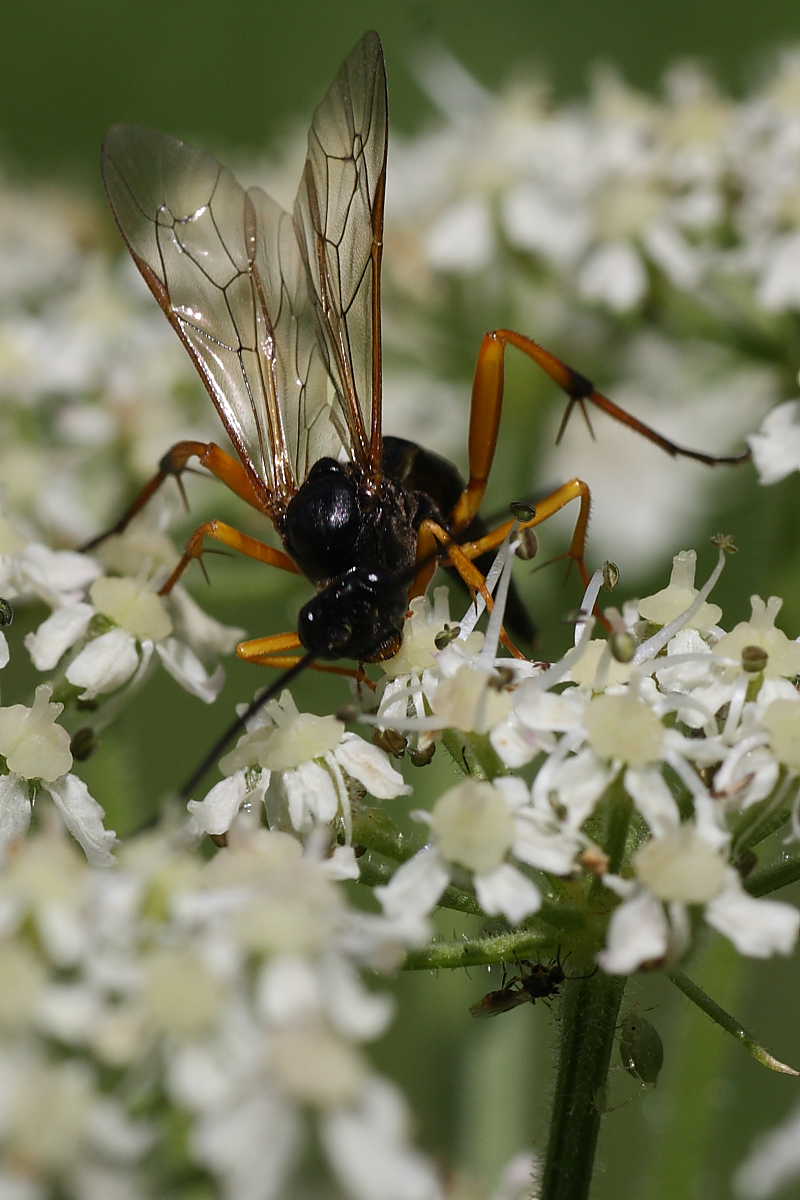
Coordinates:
<point>231,74</point>
<point>235,76</point>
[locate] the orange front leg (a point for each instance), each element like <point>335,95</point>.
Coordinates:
<point>237,540</point>
<point>222,465</point>
<point>268,652</point>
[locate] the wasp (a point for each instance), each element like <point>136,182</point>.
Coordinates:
<point>281,316</point>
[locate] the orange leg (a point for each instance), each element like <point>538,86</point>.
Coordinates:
<point>267,652</point>
<point>229,536</point>
<point>487,402</point>
<point>576,489</point>
<point>220,464</point>
<point>467,570</point>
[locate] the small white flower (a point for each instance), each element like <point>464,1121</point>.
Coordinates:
<point>676,869</point>
<point>479,827</point>
<point>31,742</point>
<point>666,605</point>
<point>142,623</point>
<point>36,748</point>
<point>55,576</point>
<point>783,655</point>
<point>310,756</point>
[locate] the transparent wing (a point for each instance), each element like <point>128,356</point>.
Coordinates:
<point>224,266</point>
<point>339,221</point>
<point>310,419</point>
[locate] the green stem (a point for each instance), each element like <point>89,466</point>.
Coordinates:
<point>728,1023</point>
<point>480,951</point>
<point>620,810</point>
<point>769,879</point>
<point>589,1018</point>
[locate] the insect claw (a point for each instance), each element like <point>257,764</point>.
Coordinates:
<point>586,417</point>
<point>182,490</point>
<point>565,419</point>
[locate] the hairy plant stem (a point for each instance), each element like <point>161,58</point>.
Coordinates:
<point>589,1017</point>
<point>589,1014</point>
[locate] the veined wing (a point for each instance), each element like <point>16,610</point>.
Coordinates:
<point>224,266</point>
<point>339,221</point>
<point>312,423</point>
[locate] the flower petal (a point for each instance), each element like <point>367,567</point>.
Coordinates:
<point>215,813</point>
<point>507,891</point>
<point>105,664</point>
<point>84,818</point>
<point>756,927</point>
<point>55,635</point>
<point>371,767</point>
<point>416,886</point>
<point>181,662</point>
<point>637,932</point>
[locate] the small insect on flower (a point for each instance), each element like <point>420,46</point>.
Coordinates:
<point>536,981</point>
<point>281,316</point>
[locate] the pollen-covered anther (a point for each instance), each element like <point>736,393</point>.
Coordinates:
<point>622,646</point>
<point>595,860</point>
<point>754,659</point>
<point>681,866</point>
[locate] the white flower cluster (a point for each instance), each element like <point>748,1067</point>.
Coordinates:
<point>106,624</point>
<point>695,728</point>
<point>614,193</point>
<point>561,218</point>
<point>223,999</point>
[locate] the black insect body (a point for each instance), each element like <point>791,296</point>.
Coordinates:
<point>359,549</point>
<point>536,981</point>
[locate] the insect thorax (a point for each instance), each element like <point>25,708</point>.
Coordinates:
<point>335,522</point>
<point>358,546</point>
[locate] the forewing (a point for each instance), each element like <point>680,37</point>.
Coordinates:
<point>339,221</point>
<point>197,239</point>
<point>311,419</point>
